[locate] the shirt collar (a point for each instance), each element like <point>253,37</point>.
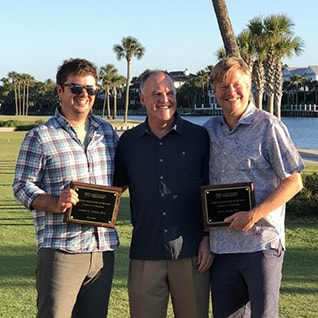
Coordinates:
<point>60,118</point>
<point>177,126</point>
<point>246,118</point>
<point>249,114</point>
<point>63,122</point>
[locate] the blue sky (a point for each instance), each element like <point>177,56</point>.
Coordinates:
<point>37,35</point>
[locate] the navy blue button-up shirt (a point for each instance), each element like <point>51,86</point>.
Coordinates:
<point>164,178</point>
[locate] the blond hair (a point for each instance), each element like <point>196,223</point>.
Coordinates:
<point>222,70</point>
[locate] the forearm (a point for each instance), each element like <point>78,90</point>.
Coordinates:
<point>46,202</point>
<point>282,194</point>
<point>245,220</point>
<point>49,203</point>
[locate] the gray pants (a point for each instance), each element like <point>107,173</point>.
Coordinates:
<point>73,285</point>
<point>247,284</point>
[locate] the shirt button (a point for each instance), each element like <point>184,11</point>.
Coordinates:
<point>161,160</point>
<point>164,213</point>
<point>165,230</point>
<point>161,177</point>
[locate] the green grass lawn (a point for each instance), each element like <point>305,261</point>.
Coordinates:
<point>299,289</point>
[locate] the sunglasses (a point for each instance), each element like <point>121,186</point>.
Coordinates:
<point>77,88</point>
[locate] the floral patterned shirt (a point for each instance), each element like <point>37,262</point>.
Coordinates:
<point>259,150</point>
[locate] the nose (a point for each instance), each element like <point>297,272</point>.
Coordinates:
<point>231,88</point>
<point>164,97</point>
<point>83,91</point>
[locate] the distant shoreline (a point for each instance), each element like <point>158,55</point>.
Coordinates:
<point>309,155</point>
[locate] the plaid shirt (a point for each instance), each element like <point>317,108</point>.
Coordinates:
<point>51,156</point>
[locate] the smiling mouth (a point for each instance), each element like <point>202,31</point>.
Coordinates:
<point>81,101</point>
<point>163,107</point>
<point>232,99</point>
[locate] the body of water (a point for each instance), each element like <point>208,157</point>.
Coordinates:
<point>303,131</point>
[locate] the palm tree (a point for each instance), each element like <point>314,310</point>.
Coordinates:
<point>220,53</point>
<point>21,85</point>
<point>14,77</point>
<point>246,47</point>
<point>289,88</point>
<point>46,97</point>
<point>281,43</point>
<point>254,52</point>
<point>202,80</point>
<point>307,84</point>
<point>116,81</point>
<point>298,82</point>
<point>27,81</point>
<point>128,48</point>
<point>314,85</point>
<point>188,93</point>
<point>105,74</point>
<point>225,26</point>
<point>268,41</point>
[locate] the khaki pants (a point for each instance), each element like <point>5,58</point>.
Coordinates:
<point>151,282</point>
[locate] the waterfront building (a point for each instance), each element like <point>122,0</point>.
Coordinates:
<point>310,72</point>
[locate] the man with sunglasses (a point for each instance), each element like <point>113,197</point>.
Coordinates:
<point>75,262</point>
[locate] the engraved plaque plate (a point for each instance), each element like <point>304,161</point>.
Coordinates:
<point>221,201</point>
<point>98,205</point>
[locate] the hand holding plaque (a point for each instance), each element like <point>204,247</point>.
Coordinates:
<point>221,201</point>
<point>98,205</point>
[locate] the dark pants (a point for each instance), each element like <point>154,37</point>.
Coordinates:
<point>73,285</point>
<point>247,284</point>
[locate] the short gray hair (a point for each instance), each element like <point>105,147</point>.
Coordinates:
<point>152,72</point>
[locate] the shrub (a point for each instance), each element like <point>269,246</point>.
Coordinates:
<point>305,203</point>
<point>30,126</point>
<point>9,123</point>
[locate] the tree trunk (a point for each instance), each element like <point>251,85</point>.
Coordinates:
<point>270,104</point>
<point>127,92</point>
<point>115,103</point>
<point>104,103</point>
<point>225,26</point>
<point>27,101</point>
<point>16,99</point>
<point>278,89</point>
<point>23,100</point>
<point>108,104</point>
<point>19,100</point>
<point>259,82</point>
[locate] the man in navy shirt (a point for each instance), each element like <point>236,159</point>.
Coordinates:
<point>164,161</point>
